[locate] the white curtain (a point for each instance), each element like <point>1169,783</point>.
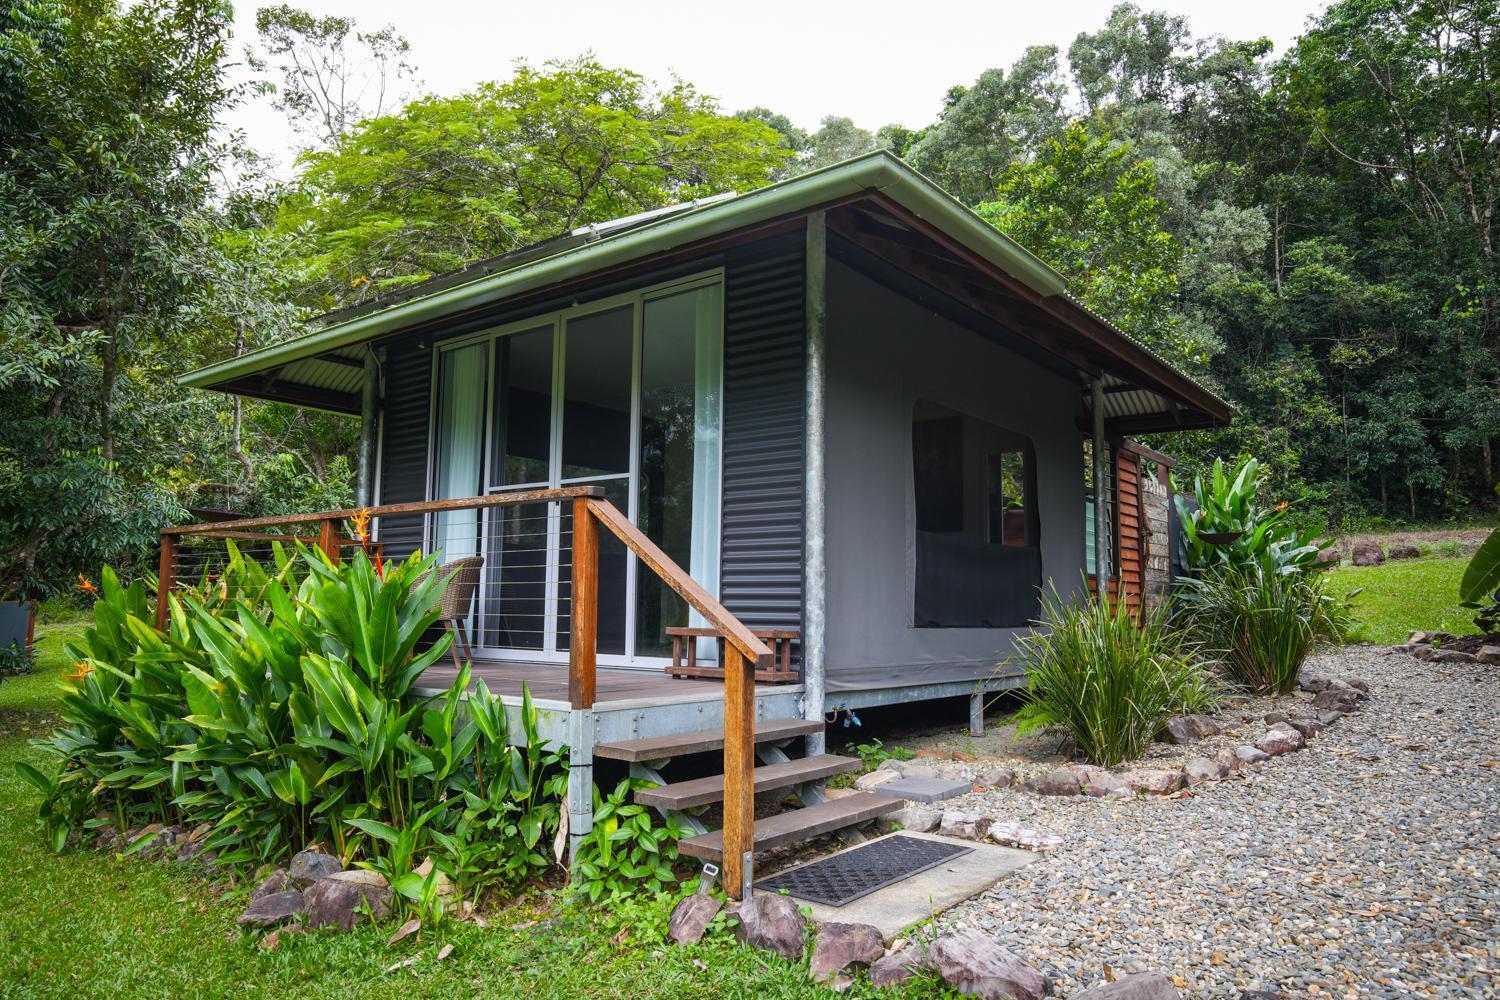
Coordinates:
<point>460,440</point>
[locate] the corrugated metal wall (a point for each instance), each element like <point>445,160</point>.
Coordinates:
<point>403,460</point>
<point>760,578</point>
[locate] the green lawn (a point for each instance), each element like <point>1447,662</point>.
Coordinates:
<point>84,924</point>
<point>1401,597</point>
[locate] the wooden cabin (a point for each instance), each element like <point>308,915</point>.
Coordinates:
<point>840,422</point>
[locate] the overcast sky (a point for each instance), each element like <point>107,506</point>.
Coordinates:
<point>803,58</point>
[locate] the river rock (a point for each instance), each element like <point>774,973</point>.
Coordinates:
<point>918,817</point>
<point>1251,755</point>
<point>1141,986</point>
<point>1337,699</point>
<point>691,917</point>
<point>976,966</point>
<point>967,826</point>
<point>1201,769</point>
<point>1104,784</point>
<point>345,898</point>
<point>1203,725</point>
<point>897,968</point>
<point>1453,656</point>
<point>1058,781</point>
<point>842,946</point>
<point>876,778</point>
<point>1154,781</point>
<point>1279,741</point>
<point>772,923</point>
<point>1000,777</point>
<point>1179,730</point>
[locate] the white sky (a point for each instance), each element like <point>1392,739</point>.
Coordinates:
<point>803,58</point>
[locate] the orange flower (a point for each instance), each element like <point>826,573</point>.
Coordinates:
<point>80,671</point>
<point>361,524</point>
<point>86,585</point>
<point>379,566</point>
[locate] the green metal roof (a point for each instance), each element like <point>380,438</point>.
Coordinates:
<point>595,248</point>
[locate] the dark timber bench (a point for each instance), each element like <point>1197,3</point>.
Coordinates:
<point>779,639</point>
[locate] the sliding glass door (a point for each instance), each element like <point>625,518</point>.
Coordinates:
<point>623,394</point>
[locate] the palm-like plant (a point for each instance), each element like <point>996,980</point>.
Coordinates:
<point>1225,505</point>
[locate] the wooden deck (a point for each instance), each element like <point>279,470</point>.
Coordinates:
<point>549,682</point>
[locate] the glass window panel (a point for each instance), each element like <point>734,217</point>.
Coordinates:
<point>612,563</point>
<point>460,442</point>
<point>664,509</point>
<point>596,394</point>
<point>523,408</point>
<point>515,594</point>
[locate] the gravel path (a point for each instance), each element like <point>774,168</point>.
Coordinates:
<point>1366,865</point>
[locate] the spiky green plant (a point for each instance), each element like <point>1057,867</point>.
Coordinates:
<point>1263,624</point>
<point>1108,677</point>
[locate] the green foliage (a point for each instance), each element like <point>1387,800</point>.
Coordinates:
<point>1480,587</point>
<point>1107,679</point>
<point>626,851</point>
<point>14,659</point>
<point>1226,502</point>
<point>875,753</point>
<point>1264,624</point>
<point>280,709</point>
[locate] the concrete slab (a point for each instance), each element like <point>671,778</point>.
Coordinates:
<point>923,789</point>
<point>912,900</point>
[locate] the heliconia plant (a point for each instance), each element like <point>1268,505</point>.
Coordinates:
<point>281,708</point>
<point>1248,533</point>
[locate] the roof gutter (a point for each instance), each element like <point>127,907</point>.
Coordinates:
<point>879,170</point>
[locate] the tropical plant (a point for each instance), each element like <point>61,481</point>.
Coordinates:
<point>1480,587</point>
<point>1263,624</point>
<point>1108,676</point>
<point>280,709</point>
<point>626,851</point>
<point>1251,534</point>
<point>14,659</point>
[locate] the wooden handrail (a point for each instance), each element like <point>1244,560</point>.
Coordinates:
<point>717,616</point>
<point>391,509</point>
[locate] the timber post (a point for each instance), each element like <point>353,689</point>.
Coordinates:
<point>328,539</point>
<point>739,773</point>
<point>583,611</point>
<point>166,579</point>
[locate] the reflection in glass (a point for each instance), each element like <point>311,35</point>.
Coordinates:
<point>596,394</point>
<point>523,407</point>
<point>612,562</point>
<point>460,437</point>
<point>515,594</point>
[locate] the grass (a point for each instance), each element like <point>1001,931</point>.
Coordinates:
<point>85,924</point>
<point>1402,597</point>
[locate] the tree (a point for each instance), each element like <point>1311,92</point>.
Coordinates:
<point>332,74</point>
<point>450,180</point>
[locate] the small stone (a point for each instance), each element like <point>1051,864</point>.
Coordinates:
<point>876,778</point>
<point>897,968</point>
<point>842,946</point>
<point>1201,769</point>
<point>1154,781</point>
<point>772,923</point>
<point>309,866</point>
<point>1228,761</point>
<point>976,966</point>
<point>1279,741</point>
<point>1202,725</point>
<point>271,909</point>
<point>1363,686</point>
<point>1488,654</point>
<point>1307,727</point>
<point>273,940</point>
<point>1141,986</point>
<point>1000,777</point>
<point>967,826</point>
<point>1339,699</point>
<point>1271,718</point>
<point>918,818</point>
<point>1024,837</point>
<point>345,898</point>
<point>691,917</point>
<point>1251,755</point>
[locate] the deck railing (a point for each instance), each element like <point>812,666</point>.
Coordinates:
<point>591,511</point>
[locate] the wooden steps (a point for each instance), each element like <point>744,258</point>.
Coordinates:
<point>702,791</point>
<point>797,825</point>
<point>662,747</point>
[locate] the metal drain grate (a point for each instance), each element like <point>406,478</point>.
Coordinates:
<point>846,877</point>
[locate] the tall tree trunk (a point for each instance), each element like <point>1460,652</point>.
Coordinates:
<point>110,360</point>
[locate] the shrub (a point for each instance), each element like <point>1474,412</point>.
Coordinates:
<point>280,709</point>
<point>1264,624</point>
<point>1107,677</point>
<point>1227,504</point>
<point>14,659</point>
<point>1479,590</point>
<point>626,851</point>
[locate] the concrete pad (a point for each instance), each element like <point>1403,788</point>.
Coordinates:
<point>914,899</point>
<point>923,789</point>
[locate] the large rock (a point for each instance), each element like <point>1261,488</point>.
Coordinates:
<point>1201,769</point>
<point>1309,728</point>
<point>277,881</point>
<point>842,946</point>
<point>1418,638</point>
<point>1337,699</point>
<point>1142,986</point>
<point>876,778</point>
<point>1453,656</point>
<point>1251,755</point>
<point>1367,553</point>
<point>1153,781</point>
<point>1279,741</point>
<point>898,967</point>
<point>345,898</point>
<point>1105,784</point>
<point>967,826</point>
<point>691,917</point>
<point>309,866</point>
<point>1179,730</point>
<point>918,818</point>
<point>1000,777</point>
<point>1058,781</point>
<point>1202,725</point>
<point>1227,760</point>
<point>976,966</point>
<point>272,909</point>
<point>772,923</point>
<point>1488,654</point>
<point>1024,837</point>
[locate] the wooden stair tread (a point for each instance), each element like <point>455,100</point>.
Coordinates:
<point>662,747</point>
<point>797,825</point>
<point>702,791</point>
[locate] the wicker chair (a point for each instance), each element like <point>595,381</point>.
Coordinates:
<point>456,599</point>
